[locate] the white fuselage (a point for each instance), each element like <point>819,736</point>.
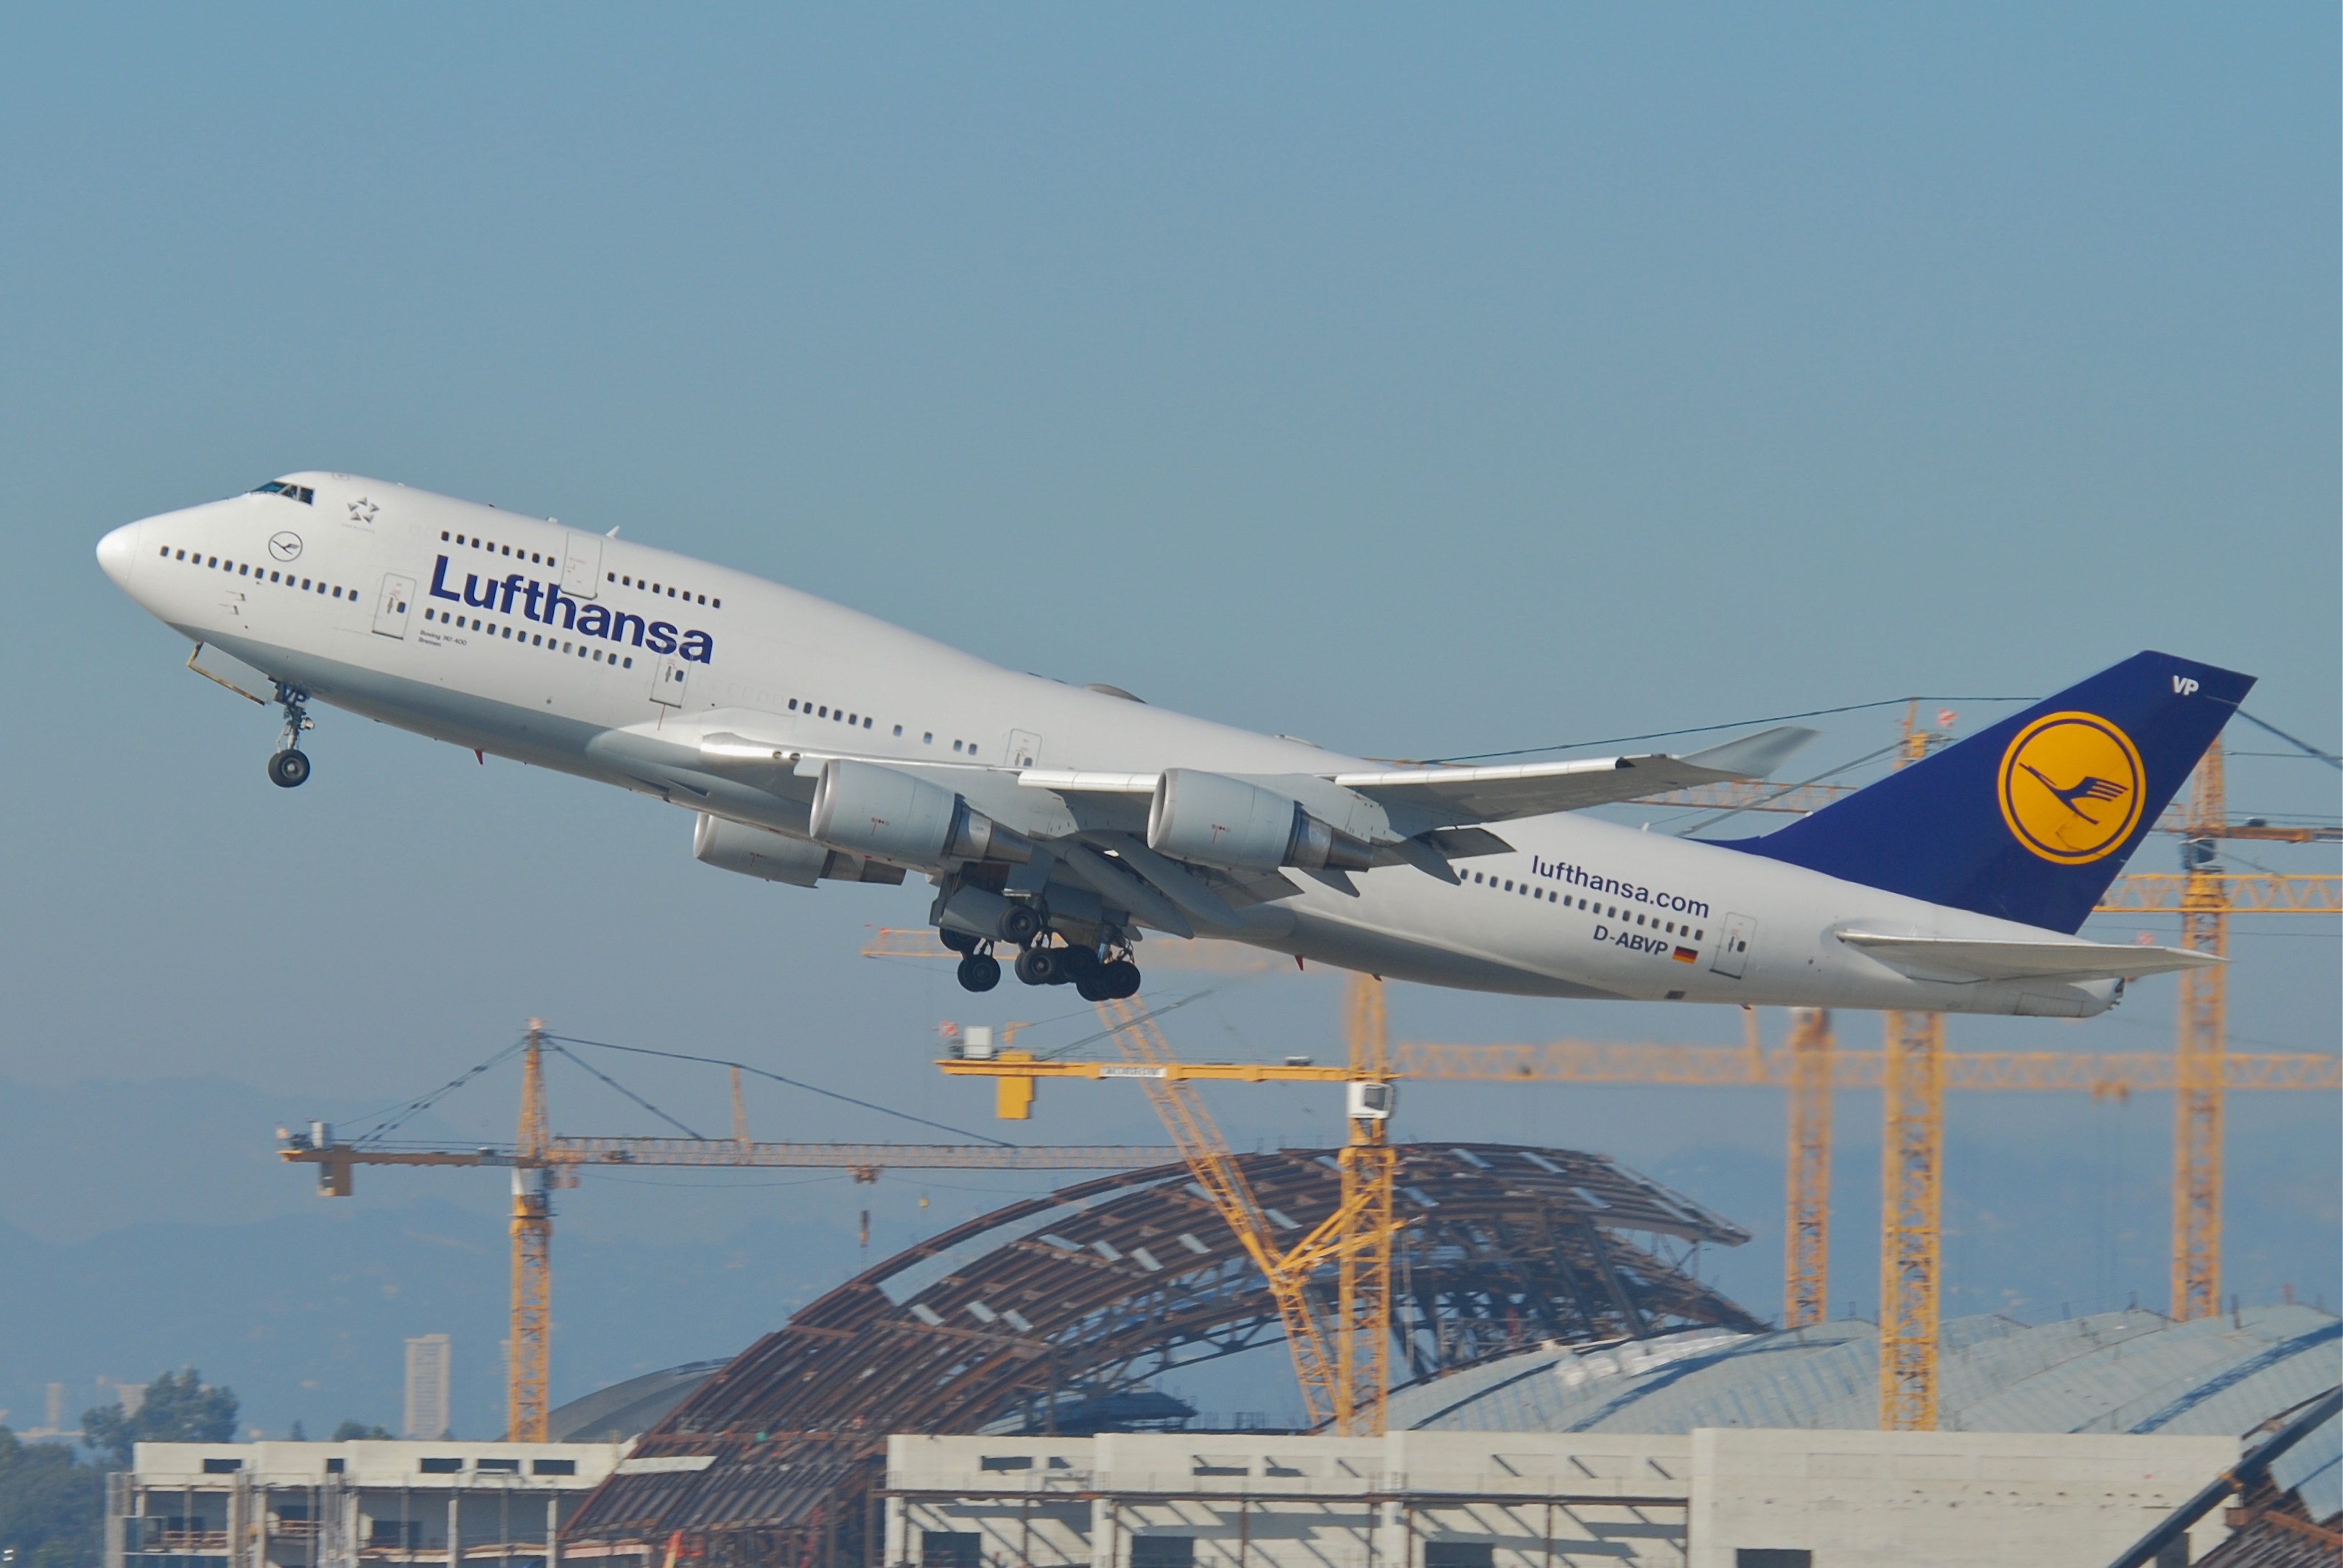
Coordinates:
<point>342,606</point>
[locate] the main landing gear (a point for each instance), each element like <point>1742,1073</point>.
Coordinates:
<point>289,767</point>
<point>1094,978</point>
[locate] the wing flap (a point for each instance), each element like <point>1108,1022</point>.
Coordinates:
<point>1463,795</point>
<point>1961,959</point>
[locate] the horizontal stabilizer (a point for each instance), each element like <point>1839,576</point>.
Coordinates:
<point>1956,958</point>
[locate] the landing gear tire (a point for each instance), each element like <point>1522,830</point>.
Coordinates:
<point>288,769</point>
<point>1094,987</point>
<point>1039,965</point>
<point>980,971</point>
<point>1121,980</point>
<point>1022,923</point>
<point>958,941</point>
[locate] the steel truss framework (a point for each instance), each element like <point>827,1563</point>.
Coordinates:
<point>1033,1311</point>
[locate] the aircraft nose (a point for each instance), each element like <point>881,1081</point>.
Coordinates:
<point>117,551</point>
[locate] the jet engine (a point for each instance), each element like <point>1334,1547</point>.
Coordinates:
<point>897,816</point>
<point>777,858</point>
<point>1215,820</point>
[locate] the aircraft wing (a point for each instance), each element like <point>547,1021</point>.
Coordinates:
<point>1452,796</point>
<point>1957,958</point>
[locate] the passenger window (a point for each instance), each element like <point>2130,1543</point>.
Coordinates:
<point>928,738</point>
<point>443,536</point>
<point>793,705</point>
<point>629,664</point>
<point>717,604</point>
<point>898,729</point>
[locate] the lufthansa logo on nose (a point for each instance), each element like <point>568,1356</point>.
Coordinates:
<point>2070,787</point>
<point>285,546</point>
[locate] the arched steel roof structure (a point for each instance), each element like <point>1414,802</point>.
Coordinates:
<point>1012,1319</point>
<point>2127,1371</point>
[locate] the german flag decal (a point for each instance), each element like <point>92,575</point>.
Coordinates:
<point>1687,956</point>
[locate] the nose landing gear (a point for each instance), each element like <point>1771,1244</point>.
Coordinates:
<point>289,768</point>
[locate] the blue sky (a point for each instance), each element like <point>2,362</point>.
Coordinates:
<point>1422,382</point>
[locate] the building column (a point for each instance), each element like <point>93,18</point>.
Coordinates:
<point>553,1529</point>
<point>118,1494</point>
<point>455,1529</point>
<point>1105,1551</point>
<point>897,1537</point>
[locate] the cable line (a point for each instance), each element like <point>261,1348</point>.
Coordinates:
<point>777,1078</point>
<point>1746,723</point>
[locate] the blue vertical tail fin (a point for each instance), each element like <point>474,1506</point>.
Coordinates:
<point>2031,818</point>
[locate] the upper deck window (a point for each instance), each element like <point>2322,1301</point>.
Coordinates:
<point>291,492</point>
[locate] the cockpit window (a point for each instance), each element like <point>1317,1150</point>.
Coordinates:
<point>291,492</point>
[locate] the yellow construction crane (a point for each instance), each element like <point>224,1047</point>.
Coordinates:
<point>1805,1273</point>
<point>1809,1067</point>
<point>1342,1364</point>
<point>542,1161</point>
<point>530,1370</point>
<point>2206,897</point>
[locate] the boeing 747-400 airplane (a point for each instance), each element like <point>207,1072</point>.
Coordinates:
<point>1055,821</point>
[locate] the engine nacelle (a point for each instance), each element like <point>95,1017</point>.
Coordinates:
<point>897,816</point>
<point>1216,820</point>
<point>778,858</point>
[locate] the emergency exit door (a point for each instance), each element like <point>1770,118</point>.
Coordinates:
<point>1732,948</point>
<point>390,606</point>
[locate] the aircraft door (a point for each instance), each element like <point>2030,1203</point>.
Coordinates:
<point>581,566</point>
<point>390,606</point>
<point>671,681</point>
<point>1024,749</point>
<point>1733,947</point>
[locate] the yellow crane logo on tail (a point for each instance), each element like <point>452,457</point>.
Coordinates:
<point>2070,787</point>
